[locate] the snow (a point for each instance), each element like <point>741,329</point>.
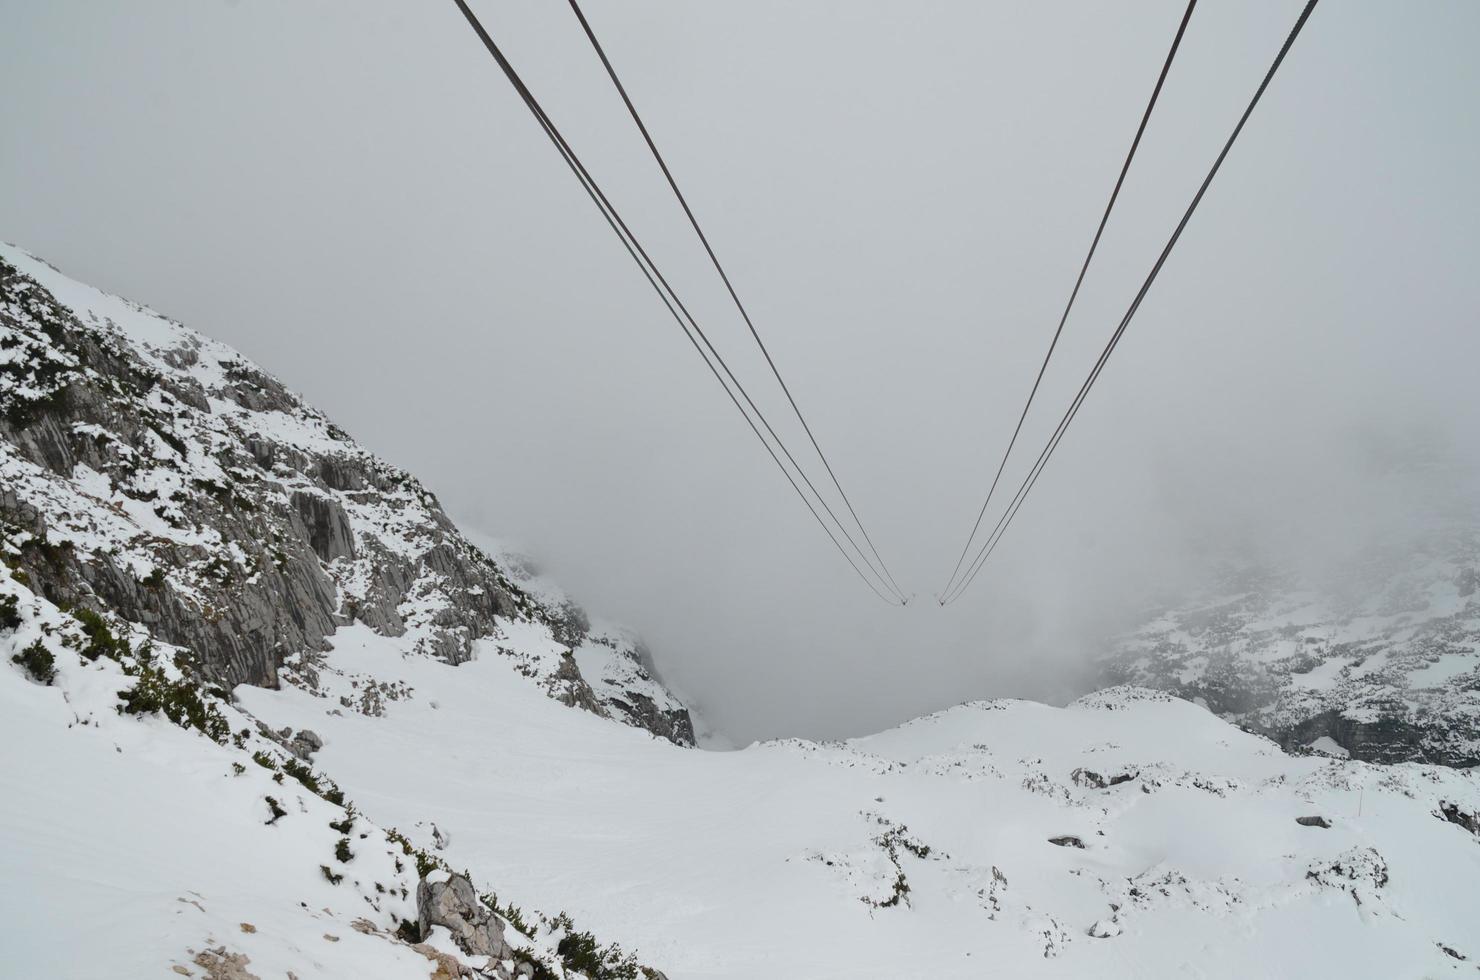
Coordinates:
<point>129,846</point>
<point>758,862</point>
<point>1326,745</point>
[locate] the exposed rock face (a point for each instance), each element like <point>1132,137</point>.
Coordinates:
<point>1385,663</point>
<point>148,472</point>
<point>450,901</point>
<point>1456,814</point>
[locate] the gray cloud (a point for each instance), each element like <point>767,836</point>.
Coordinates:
<point>352,196</point>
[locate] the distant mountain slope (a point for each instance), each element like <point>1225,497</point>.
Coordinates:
<point>156,475</point>
<point>1383,664</point>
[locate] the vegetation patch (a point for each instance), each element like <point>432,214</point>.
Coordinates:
<point>10,613</point>
<point>38,662</point>
<point>177,700</point>
<point>321,786</point>
<point>579,951</point>
<point>100,639</point>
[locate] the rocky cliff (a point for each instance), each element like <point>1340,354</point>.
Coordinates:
<point>150,474</point>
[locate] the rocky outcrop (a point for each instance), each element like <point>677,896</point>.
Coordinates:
<point>154,475</point>
<point>1384,662</point>
<point>1458,815</point>
<point>450,901</point>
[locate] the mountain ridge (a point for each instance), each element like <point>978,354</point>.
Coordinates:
<point>200,497</point>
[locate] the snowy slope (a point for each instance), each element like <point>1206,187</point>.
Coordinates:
<point>924,851</point>
<point>167,810</point>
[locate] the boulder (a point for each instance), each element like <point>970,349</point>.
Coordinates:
<point>450,901</point>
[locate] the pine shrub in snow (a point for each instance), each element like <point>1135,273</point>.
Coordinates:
<point>10,614</point>
<point>38,662</point>
<point>178,700</point>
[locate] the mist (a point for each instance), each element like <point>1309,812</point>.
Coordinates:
<point>352,196</point>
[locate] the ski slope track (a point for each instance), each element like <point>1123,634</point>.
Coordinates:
<point>269,714</point>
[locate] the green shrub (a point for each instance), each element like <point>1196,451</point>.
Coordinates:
<point>342,853</point>
<point>38,662</point>
<point>179,701</point>
<point>264,760</point>
<point>329,874</point>
<point>100,639</point>
<point>303,774</point>
<point>10,613</point>
<point>579,951</point>
<point>407,932</point>
<point>427,863</point>
<point>275,809</point>
<point>321,786</point>
<point>347,824</point>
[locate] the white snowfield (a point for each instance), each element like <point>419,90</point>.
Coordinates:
<point>129,846</point>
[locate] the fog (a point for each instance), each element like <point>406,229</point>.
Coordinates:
<point>352,195</point>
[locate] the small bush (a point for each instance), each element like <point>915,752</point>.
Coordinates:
<point>514,916</point>
<point>303,774</point>
<point>100,639</point>
<point>275,809</point>
<point>901,892</point>
<point>178,701</point>
<point>237,768</point>
<point>38,662</point>
<point>407,932</point>
<point>10,613</point>
<point>579,951</point>
<point>426,864</point>
<point>321,786</point>
<point>155,579</point>
<point>329,874</point>
<point>342,853</point>
<point>264,760</point>
<point>347,824</point>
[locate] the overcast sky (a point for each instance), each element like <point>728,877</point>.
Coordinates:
<point>350,193</point>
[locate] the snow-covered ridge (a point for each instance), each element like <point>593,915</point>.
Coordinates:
<point>156,475</point>
<point>1381,665</point>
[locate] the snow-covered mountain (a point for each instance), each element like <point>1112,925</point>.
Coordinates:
<point>269,714</point>
<point>1381,663</point>
<point>154,474</point>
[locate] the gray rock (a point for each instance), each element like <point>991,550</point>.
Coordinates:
<point>454,905</point>
<point>305,744</point>
<point>1321,822</point>
<point>1452,813</point>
